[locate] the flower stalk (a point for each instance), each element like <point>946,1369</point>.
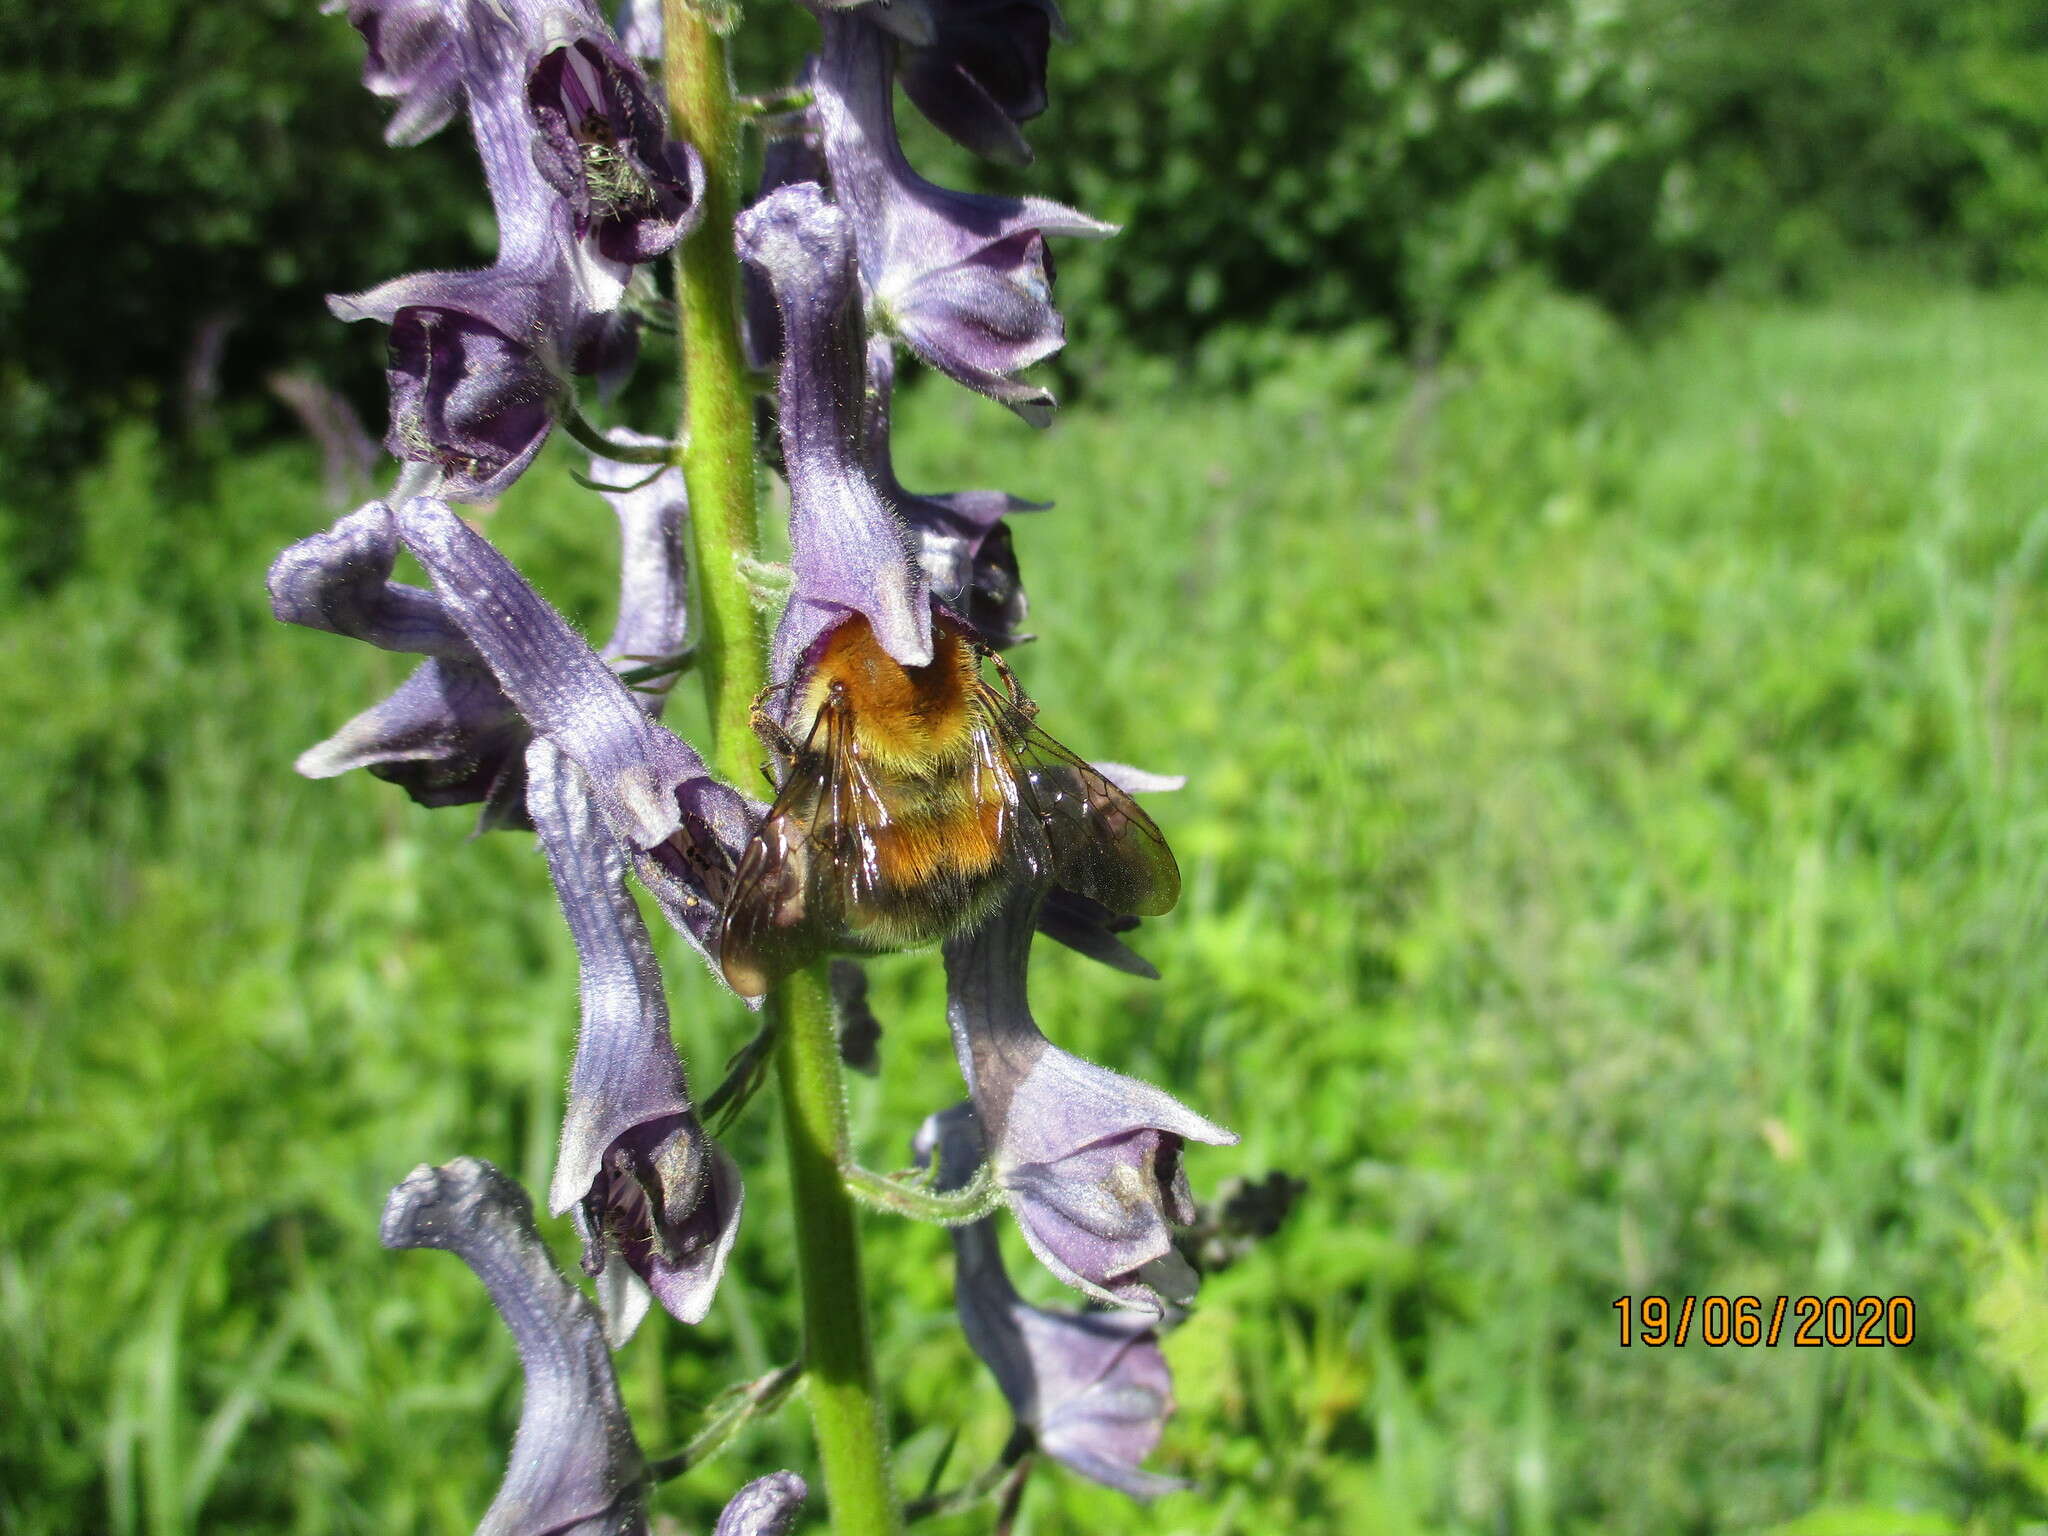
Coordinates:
<point>718,465</point>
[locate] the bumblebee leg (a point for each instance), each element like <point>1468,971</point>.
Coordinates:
<point>767,727</point>
<point>1018,697</point>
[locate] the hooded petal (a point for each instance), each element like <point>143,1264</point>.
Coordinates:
<point>558,683</point>
<point>961,278</point>
<point>1090,1160</point>
<point>790,155</point>
<point>682,828</point>
<point>850,553</point>
<point>447,736</point>
<point>478,368</point>
<point>765,1507</point>
<point>629,1121</point>
<point>575,1465</point>
<point>1093,1387</point>
<point>340,581</point>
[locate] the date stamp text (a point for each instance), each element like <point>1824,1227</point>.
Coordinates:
<point>1804,1322</point>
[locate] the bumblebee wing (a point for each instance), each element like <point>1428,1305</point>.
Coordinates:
<point>811,856</point>
<point>770,927</point>
<point>1093,836</point>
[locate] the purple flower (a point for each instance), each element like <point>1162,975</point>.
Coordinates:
<point>478,368</point>
<point>414,56</point>
<point>575,1465</point>
<point>963,542</point>
<point>850,553</point>
<point>1092,1387</point>
<point>480,361</point>
<point>448,735</point>
<point>681,827</point>
<point>789,155</point>
<point>647,1184</point>
<point>982,73</point>
<point>961,278</point>
<point>1089,1160</point>
<point>765,1507</point>
<point>654,582</point>
<point>601,138</point>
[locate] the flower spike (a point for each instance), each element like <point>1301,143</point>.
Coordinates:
<point>1090,1160</point>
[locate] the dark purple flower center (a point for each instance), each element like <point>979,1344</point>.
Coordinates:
<point>578,83</point>
<point>464,395</point>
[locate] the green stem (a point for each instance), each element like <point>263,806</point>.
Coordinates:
<point>846,1406</point>
<point>718,465</point>
<point>718,397</point>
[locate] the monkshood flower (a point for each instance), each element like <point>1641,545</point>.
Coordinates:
<point>1089,1160</point>
<point>981,74</point>
<point>648,1186</point>
<point>575,1465</point>
<point>1092,1387</point>
<point>960,278</point>
<point>601,137</point>
<point>849,552</point>
<point>680,826</point>
<point>653,617</point>
<point>480,361</point>
<point>963,543</point>
<point>583,183</point>
<point>448,735</point>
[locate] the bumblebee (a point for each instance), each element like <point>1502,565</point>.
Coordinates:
<point>915,797</point>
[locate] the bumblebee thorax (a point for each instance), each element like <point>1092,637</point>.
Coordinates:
<point>914,720</point>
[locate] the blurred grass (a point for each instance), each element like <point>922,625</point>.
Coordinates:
<point>1615,863</point>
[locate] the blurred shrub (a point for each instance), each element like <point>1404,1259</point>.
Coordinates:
<point>179,186</point>
<point>1308,166</point>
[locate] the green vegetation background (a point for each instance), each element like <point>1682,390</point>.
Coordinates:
<point>1615,836</point>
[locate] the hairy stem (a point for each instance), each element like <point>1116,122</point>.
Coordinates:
<point>718,399</point>
<point>718,464</point>
<point>846,1408</point>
